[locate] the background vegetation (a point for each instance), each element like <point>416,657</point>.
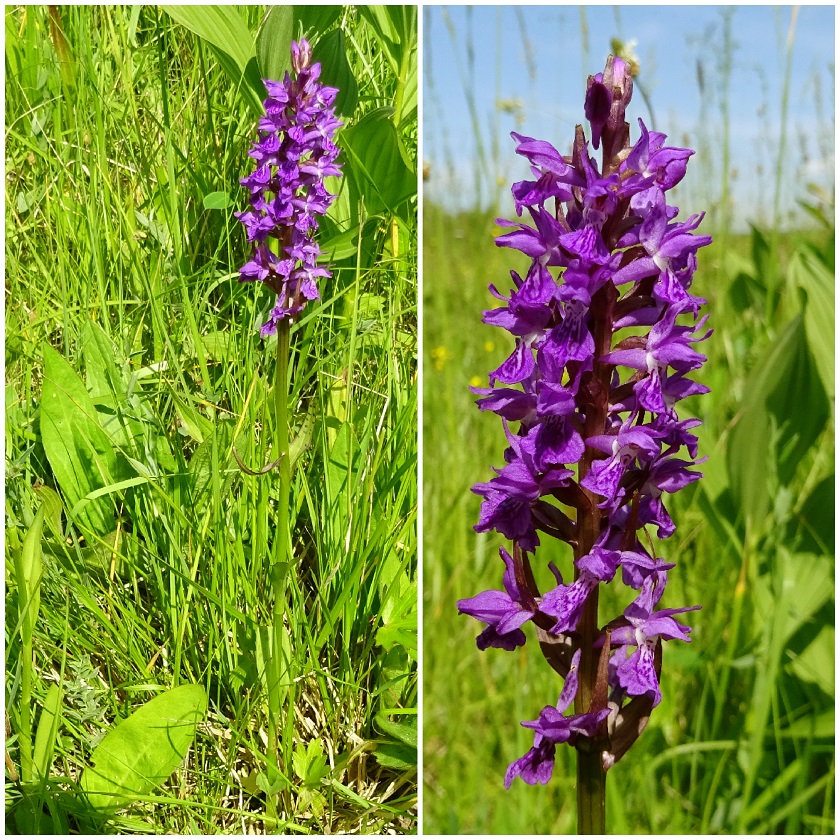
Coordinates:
<point>743,741</point>
<point>133,369</point>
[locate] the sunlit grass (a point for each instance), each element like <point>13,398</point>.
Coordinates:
<point>110,153</point>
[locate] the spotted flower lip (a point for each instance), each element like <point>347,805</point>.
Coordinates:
<point>294,153</point>
<point>604,327</point>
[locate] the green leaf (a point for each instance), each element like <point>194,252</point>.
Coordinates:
<point>397,756</point>
<point>405,732</point>
<point>309,763</point>
<point>42,753</point>
<point>799,407</point>
<point>816,663</point>
<point>231,42</point>
<point>81,455</point>
<point>747,453</point>
<point>377,164</point>
<point>817,282</point>
<point>401,631</point>
<point>336,72</point>
<point>346,244</point>
<point>103,378</point>
<point>816,517</point>
<point>403,20</point>
<point>217,201</point>
<point>143,750</point>
<point>811,726</point>
<point>221,26</point>
<point>779,386</point>
<point>274,42</point>
<point>809,579</point>
<point>314,19</point>
<point>52,507</point>
<point>28,568</point>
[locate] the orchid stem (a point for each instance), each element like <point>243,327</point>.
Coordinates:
<point>279,658</point>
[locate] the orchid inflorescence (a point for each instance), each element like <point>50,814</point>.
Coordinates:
<point>623,285</point>
<point>294,153</point>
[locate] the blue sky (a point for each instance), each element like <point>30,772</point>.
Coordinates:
<point>526,68</point>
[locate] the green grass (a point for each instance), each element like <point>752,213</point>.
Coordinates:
<point>115,135</point>
<point>743,741</point>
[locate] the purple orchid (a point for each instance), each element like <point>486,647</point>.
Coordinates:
<point>503,612</point>
<point>643,629</point>
<point>604,327</point>
<point>552,728</point>
<point>294,154</point>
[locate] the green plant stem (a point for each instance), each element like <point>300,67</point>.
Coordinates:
<point>277,667</point>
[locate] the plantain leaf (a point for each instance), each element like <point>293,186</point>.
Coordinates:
<point>81,455</point>
<point>142,751</point>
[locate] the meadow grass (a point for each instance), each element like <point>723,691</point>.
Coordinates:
<point>119,126</point>
<point>743,739</point>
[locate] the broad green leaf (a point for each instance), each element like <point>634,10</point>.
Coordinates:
<point>816,519</point>
<point>309,763</point>
<point>799,407</point>
<point>81,455</point>
<point>217,201</point>
<point>816,663</point>
<point>405,732</point>
<point>407,111</point>
<point>194,423</point>
<point>748,446</point>
<point>221,26</point>
<point>401,631</point>
<point>748,449</point>
<point>231,42</point>
<point>142,751</point>
<point>397,756</point>
<point>809,578</point>
<point>42,753</point>
<point>316,18</point>
<point>303,437</point>
<point>346,244</point>
<point>403,22</point>
<point>336,72</point>
<point>274,42</point>
<point>817,282</point>
<point>376,160</point>
<point>343,212</point>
